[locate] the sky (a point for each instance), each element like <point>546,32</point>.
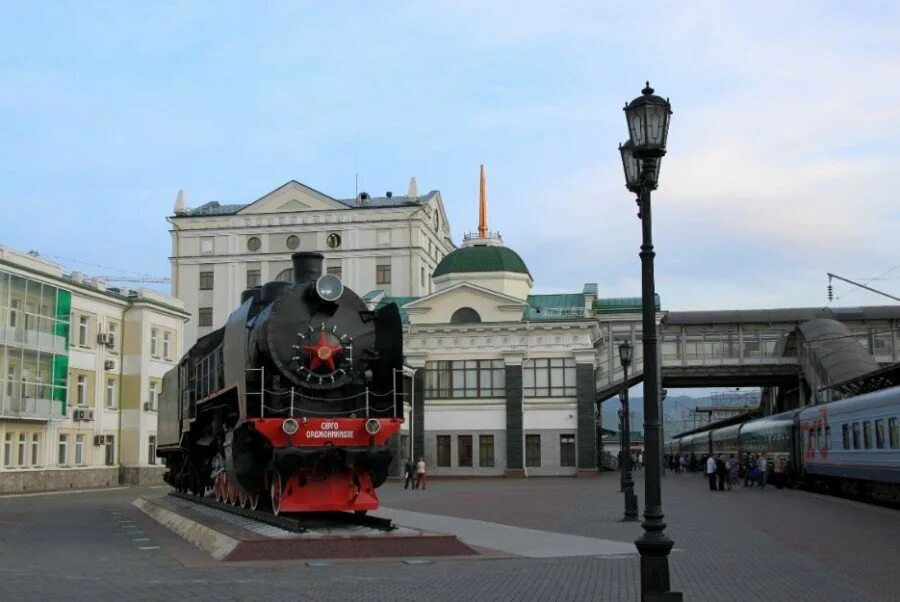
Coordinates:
<point>783,149</point>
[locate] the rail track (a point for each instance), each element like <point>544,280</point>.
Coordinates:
<point>296,523</point>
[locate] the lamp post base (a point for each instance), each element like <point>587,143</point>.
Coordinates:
<point>631,505</point>
<point>654,548</point>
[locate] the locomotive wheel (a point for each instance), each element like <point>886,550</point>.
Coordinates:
<point>242,499</point>
<point>254,501</point>
<point>276,492</point>
<point>217,488</point>
<point>232,495</point>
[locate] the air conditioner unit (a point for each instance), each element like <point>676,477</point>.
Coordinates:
<point>149,406</point>
<point>103,338</point>
<point>109,364</point>
<point>111,341</point>
<point>82,414</point>
<point>99,440</point>
<point>76,414</point>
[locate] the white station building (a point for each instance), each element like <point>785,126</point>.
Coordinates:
<point>392,243</point>
<point>505,381</point>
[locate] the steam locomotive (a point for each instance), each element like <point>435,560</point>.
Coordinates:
<point>291,404</point>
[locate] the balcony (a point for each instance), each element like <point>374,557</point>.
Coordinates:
<point>30,408</point>
<point>18,336</point>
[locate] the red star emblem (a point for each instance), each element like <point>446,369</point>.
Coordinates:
<point>322,354</point>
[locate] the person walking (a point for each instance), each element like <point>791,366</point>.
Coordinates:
<point>409,472</point>
<point>762,465</point>
<point>733,468</point>
<point>721,471</point>
<point>641,460</point>
<point>778,475</point>
<point>682,464</point>
<point>711,472</point>
<point>421,478</point>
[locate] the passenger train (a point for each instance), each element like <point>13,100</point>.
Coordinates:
<point>850,446</point>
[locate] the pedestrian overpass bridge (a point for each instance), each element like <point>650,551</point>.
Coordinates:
<point>801,352</point>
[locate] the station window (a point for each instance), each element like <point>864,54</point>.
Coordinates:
<point>253,278</point>
<point>35,449</point>
<point>532,450</point>
<point>81,390</point>
<point>879,433</point>
<point>151,449</point>
<point>383,273</point>
<point>167,339</point>
<point>486,451</point>
<point>465,378</point>
<point>205,316</point>
<point>567,450</point>
<point>110,450</point>
<point>7,449</point>
<point>845,435</point>
<point>855,435</point>
<point>553,377</point>
<point>79,450</point>
<point>894,433</point>
<point>207,279</point>
<point>20,459</point>
<point>867,434</point>
<point>464,449</point>
<point>82,331</point>
<point>62,456</point>
<point>154,336</point>
<point>443,450</point>
<point>111,393</point>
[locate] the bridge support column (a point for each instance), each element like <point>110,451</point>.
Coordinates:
<point>587,425</point>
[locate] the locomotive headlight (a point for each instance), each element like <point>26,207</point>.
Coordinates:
<point>329,287</point>
<point>289,426</point>
<point>372,426</point>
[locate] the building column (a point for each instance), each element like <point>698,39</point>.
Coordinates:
<point>418,412</point>
<point>515,463</point>
<point>588,422</point>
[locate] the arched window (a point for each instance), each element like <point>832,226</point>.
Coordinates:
<point>285,275</point>
<point>465,315</point>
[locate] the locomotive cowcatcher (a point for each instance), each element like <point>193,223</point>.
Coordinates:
<point>291,404</point>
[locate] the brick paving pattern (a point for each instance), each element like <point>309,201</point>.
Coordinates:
<point>744,545</point>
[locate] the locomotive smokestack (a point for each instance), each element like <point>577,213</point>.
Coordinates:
<point>307,266</point>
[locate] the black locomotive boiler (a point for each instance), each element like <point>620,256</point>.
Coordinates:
<point>291,403</point>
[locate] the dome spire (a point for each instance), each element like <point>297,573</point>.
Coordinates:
<point>482,207</point>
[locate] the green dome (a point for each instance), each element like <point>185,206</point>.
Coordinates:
<point>481,258</point>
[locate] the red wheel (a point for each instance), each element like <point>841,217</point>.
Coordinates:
<point>276,492</point>
<point>254,501</point>
<point>232,495</point>
<point>216,483</point>
<point>242,499</point>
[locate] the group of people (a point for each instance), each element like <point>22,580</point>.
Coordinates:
<point>414,474</point>
<point>726,474</point>
<point>637,460</point>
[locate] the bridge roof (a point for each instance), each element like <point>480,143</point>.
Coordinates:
<point>780,315</point>
<point>835,349</point>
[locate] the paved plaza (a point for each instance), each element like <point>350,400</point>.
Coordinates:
<point>543,539</point>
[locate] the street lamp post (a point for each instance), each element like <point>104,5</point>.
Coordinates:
<point>648,119</point>
<point>626,353</point>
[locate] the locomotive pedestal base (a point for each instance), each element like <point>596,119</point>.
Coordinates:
<point>230,537</point>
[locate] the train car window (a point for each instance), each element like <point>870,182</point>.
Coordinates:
<point>894,432</point>
<point>845,435</point>
<point>827,437</point>
<point>867,434</point>
<point>855,435</point>
<point>879,433</point>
